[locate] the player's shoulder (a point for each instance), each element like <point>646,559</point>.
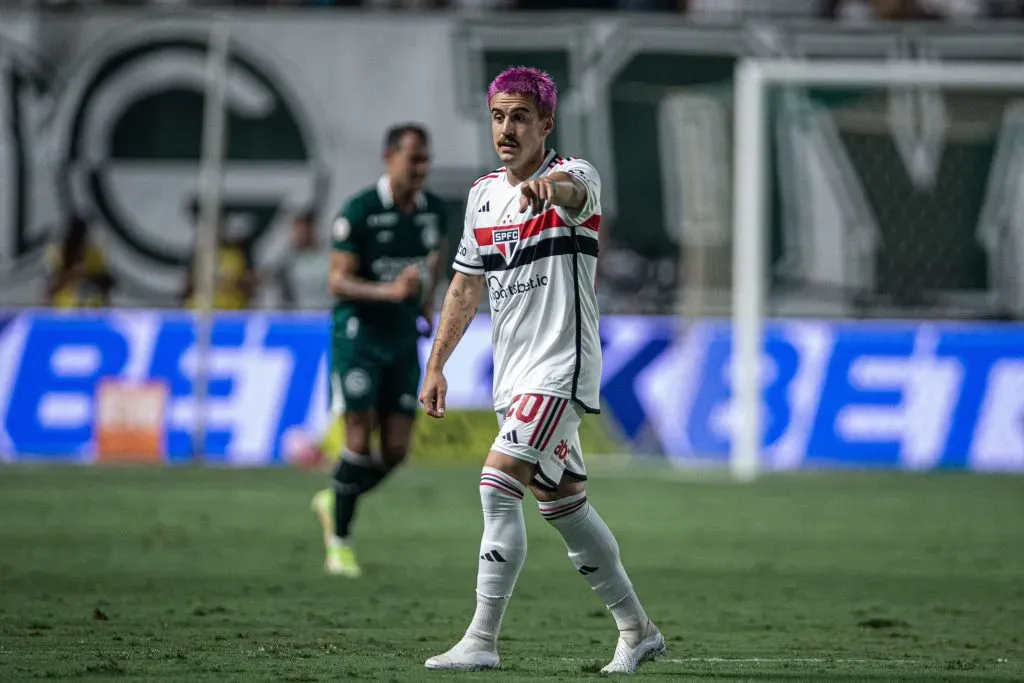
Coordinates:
<point>489,177</point>
<point>361,202</point>
<point>575,165</point>
<point>482,187</point>
<point>486,180</point>
<point>353,213</point>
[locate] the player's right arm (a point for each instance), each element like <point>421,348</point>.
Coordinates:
<point>458,310</point>
<point>344,281</point>
<point>460,306</point>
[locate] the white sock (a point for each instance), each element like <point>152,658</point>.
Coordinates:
<point>595,554</point>
<point>502,551</point>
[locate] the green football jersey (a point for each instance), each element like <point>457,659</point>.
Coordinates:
<point>386,240</point>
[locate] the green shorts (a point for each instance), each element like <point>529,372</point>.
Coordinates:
<point>374,377</point>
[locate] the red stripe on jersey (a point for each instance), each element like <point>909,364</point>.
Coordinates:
<point>592,223</point>
<point>485,177</point>
<point>533,227</point>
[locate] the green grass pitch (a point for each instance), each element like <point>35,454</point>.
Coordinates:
<point>196,574</point>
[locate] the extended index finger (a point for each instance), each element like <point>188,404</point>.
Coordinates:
<point>525,199</point>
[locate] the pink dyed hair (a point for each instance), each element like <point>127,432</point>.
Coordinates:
<point>525,80</point>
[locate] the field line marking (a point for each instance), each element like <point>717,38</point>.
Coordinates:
<point>770,660</point>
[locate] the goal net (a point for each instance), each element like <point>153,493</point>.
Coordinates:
<point>868,190</point>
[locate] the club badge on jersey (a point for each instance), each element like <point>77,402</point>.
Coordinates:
<point>505,242</point>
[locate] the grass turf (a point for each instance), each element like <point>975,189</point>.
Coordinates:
<point>196,575</point>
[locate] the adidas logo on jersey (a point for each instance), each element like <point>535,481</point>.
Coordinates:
<point>585,570</point>
<point>485,208</point>
<point>511,437</point>
<point>493,556</point>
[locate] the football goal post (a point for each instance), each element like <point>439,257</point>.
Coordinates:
<point>922,132</point>
<point>210,179</point>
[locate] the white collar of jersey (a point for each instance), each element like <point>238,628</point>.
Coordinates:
<point>387,198</point>
<point>548,158</point>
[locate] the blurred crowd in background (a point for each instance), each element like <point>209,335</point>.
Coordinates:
<point>633,279</point>
<point>80,276</point>
<point>849,10</point>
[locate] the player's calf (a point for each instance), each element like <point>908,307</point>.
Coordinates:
<point>594,552</point>
<point>502,555</point>
<point>502,550</point>
<point>356,474</point>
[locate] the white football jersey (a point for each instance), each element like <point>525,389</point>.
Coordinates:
<point>539,272</point>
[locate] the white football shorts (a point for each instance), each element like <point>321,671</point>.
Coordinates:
<point>543,430</point>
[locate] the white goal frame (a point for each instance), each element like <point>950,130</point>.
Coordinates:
<point>211,176</point>
<point>753,77</point>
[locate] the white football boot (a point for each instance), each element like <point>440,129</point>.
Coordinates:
<point>469,654</point>
<point>627,660</point>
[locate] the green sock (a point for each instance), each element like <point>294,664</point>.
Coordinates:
<point>356,475</point>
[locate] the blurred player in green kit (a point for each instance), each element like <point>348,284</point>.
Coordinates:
<point>389,246</point>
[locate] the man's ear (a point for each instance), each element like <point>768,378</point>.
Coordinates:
<point>549,124</point>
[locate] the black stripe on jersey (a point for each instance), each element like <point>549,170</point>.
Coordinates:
<point>462,264</point>
<point>552,246</point>
<point>578,248</point>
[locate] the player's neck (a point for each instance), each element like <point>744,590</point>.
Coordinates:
<point>526,169</point>
<point>404,198</point>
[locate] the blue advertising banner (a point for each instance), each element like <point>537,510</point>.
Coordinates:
<point>880,394</point>
<point>892,395</point>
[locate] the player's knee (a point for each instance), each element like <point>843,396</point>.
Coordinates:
<point>394,455</point>
<point>395,436</point>
<point>568,488</point>
<point>565,512</point>
<point>520,470</point>
<point>358,446</point>
<point>500,491</point>
<point>358,430</point>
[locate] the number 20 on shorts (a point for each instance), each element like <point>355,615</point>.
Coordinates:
<point>525,407</point>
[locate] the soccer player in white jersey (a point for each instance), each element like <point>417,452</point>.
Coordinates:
<point>530,244</point>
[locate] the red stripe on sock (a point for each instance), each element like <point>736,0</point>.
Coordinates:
<point>511,483</point>
<point>503,478</point>
<point>565,512</point>
<point>514,494</point>
<point>546,508</point>
<point>489,479</point>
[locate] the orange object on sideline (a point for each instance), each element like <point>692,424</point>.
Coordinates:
<point>130,422</point>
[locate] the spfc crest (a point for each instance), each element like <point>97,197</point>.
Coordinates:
<point>506,239</point>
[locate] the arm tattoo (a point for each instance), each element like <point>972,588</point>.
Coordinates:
<point>578,194</point>
<point>457,313</point>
